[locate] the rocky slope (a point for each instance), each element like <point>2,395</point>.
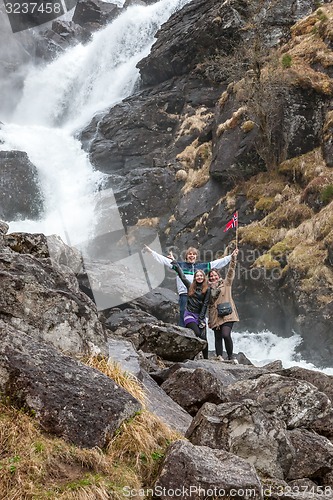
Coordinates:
<point>235,112</point>
<point>242,431</point>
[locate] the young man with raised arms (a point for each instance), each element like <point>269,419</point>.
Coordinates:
<point>189,267</point>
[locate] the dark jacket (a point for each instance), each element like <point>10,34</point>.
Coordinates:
<point>198,302</point>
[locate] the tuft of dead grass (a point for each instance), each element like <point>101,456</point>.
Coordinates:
<point>142,443</point>
<point>196,122</point>
<point>125,379</point>
<point>35,465</point>
<point>196,159</point>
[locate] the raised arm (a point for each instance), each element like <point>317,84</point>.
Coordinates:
<point>218,263</point>
<point>231,270</point>
<point>158,257</point>
<point>179,271</point>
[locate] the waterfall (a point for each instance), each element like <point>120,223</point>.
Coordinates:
<point>59,99</point>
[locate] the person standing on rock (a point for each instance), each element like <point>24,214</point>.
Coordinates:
<point>189,267</point>
<point>196,304</point>
<point>221,318</point>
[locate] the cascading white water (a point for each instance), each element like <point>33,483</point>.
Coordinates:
<point>60,98</point>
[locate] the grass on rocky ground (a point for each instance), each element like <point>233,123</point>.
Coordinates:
<point>37,466</point>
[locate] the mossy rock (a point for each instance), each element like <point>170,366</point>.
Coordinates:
<point>267,262</point>
<point>264,185</point>
<point>302,169</point>
<point>289,214</point>
<point>257,236</point>
<point>282,248</point>
<point>307,259</point>
<point>264,204</point>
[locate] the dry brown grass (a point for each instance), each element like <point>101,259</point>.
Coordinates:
<point>196,159</point>
<point>232,122</point>
<point>36,466</point>
<point>309,51</point>
<point>148,222</point>
<point>113,370</point>
<point>195,122</point>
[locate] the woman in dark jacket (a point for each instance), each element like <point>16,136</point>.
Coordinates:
<point>197,303</point>
<point>221,293</point>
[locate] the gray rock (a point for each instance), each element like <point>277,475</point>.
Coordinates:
<point>159,403</point>
<point>324,383</point>
<point>123,353</point>
<point>94,12</point>
<point>226,373</point>
<point>246,431</point>
<point>206,472</point>
<point>3,227</point>
<point>313,456</point>
<point>192,388</point>
<point>20,192</point>
<point>39,298</point>
<point>68,398</point>
<point>161,303</point>
<point>169,342</point>
<point>298,403</point>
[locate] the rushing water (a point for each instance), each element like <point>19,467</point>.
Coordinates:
<point>265,346</point>
<point>60,98</point>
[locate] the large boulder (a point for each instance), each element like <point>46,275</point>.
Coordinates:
<point>159,403</point>
<point>173,343</point>
<point>94,12</point>
<point>296,402</point>
<point>315,465</point>
<point>324,383</point>
<point>43,299</point>
<point>247,431</point>
<point>199,471</point>
<point>20,190</point>
<point>58,38</point>
<point>68,398</point>
<point>192,388</point>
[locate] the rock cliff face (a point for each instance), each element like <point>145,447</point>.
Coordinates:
<point>233,112</point>
<point>229,92</point>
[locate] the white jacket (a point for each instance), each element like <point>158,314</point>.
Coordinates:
<point>191,268</point>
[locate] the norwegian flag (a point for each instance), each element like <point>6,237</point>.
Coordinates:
<point>232,223</point>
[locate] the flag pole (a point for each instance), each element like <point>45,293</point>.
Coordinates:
<point>237,229</point>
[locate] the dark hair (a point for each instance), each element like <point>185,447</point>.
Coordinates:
<point>193,285</point>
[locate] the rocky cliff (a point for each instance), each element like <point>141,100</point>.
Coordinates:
<point>117,404</point>
<point>234,112</point>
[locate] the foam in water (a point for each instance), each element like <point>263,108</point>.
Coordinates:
<point>265,346</point>
<point>60,98</point>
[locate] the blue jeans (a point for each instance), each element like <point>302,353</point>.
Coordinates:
<point>182,304</point>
